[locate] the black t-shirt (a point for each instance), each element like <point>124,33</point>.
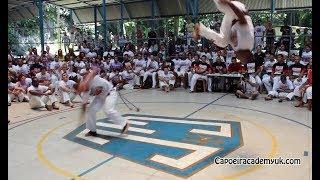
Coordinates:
<point>168,63</point>
<point>259,58</point>
<point>216,67</point>
<point>285,31</point>
<point>270,34</point>
<point>279,69</point>
<point>204,66</point>
<point>296,69</point>
<point>195,64</point>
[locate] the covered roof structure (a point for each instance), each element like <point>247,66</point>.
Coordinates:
<point>83,10</point>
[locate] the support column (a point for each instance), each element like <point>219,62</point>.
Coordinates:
<point>58,28</point>
<point>196,11</point>
<point>41,24</point>
<point>152,14</point>
<point>95,23</point>
<point>273,5</point>
<point>121,16</point>
<point>104,25</point>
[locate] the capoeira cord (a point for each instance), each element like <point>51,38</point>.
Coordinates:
<point>125,99</point>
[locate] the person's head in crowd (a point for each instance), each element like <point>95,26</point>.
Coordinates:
<point>307,48</point>
<point>56,58</point>
<point>22,78</point>
<point>81,55</point>
<point>190,56</point>
<point>259,49</point>
<point>87,66</point>
<point>103,73</point>
<point>206,50</point>
<point>233,60</point>
<point>168,57</point>
<point>283,78</point>
<point>160,56</point>
<point>176,55</point>
<point>60,52</point>
<point>204,58</point>
<point>9,64</point>
<point>48,48</point>
<point>218,60</point>
<point>282,47</point>
<point>292,57</point>
<point>296,59</point>
<point>34,50</point>
<point>35,82</point>
<point>184,56</point>
<point>127,48</point>
<point>196,57</point>
<point>43,70</point>
<point>146,55</point>
<point>20,62</point>
<point>272,56</point>
<point>151,57</point>
<point>30,50</point>
<point>166,70</point>
<point>280,58</point>
<point>285,22</point>
<point>305,30</point>
<point>43,60</point>
<point>116,58</point>
<point>64,67</point>
<point>67,58</point>
<point>139,55</point>
<point>125,57</point>
<point>9,78</point>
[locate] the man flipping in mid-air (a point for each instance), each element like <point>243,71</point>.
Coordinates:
<point>236,29</point>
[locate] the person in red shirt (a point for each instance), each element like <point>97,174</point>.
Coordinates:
<point>303,93</point>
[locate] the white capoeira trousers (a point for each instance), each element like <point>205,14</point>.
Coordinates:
<point>41,101</point>
<point>109,103</point>
<point>148,73</point>
<point>163,83</point>
<point>305,95</point>
<point>194,79</point>
<point>281,94</point>
<point>67,96</point>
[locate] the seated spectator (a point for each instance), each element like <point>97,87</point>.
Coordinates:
<point>234,67</point>
<point>67,90</point>
<point>128,77</point>
<point>201,71</point>
<point>21,88</point>
<point>151,70</point>
<point>12,94</point>
<point>306,55</point>
<point>166,80</point>
<point>296,72</point>
<point>247,88</point>
<point>282,89</point>
<point>304,91</point>
<point>39,96</point>
<point>221,68</point>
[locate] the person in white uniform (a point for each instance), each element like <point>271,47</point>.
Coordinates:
<point>40,95</point>
<point>236,29</point>
<point>67,90</point>
<point>166,80</point>
<point>105,95</point>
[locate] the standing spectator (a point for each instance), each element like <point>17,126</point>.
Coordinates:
<point>66,42</point>
<point>285,37</point>
<point>259,32</point>
<point>270,37</point>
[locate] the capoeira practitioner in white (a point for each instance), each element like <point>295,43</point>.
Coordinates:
<point>105,95</point>
<point>39,95</point>
<point>236,29</point>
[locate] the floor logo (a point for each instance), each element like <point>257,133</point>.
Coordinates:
<point>180,146</point>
